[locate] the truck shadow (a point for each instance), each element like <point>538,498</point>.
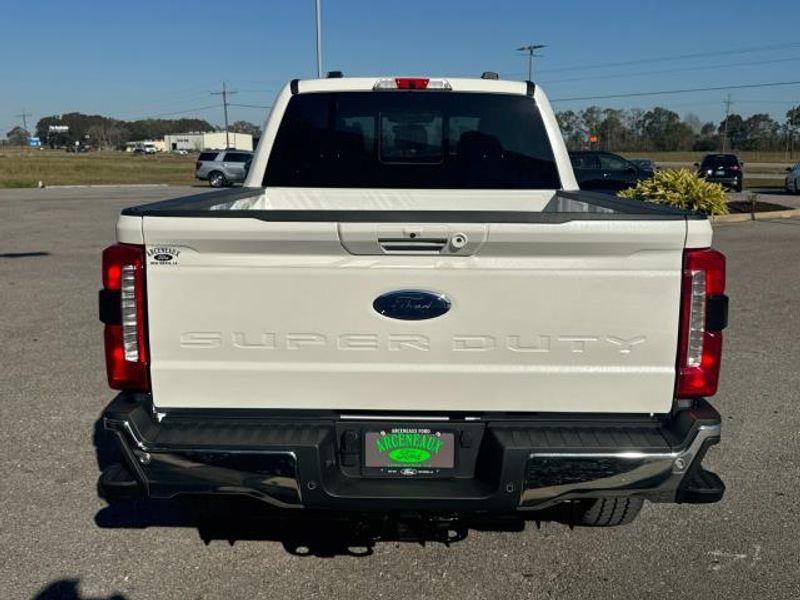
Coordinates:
<point>303,533</point>
<point>67,589</point>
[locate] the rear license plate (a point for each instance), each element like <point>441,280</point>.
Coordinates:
<point>409,452</point>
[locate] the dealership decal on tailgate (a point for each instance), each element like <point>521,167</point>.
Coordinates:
<point>409,451</point>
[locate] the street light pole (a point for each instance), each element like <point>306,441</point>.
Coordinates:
<point>530,50</point>
<point>319,40</point>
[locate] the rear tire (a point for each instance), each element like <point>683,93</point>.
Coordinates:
<point>217,179</point>
<point>608,512</point>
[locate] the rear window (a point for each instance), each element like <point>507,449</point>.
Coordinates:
<point>237,157</point>
<point>412,140</point>
<point>722,160</point>
<point>585,161</point>
<point>207,156</point>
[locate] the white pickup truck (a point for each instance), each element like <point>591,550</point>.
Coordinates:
<point>410,307</point>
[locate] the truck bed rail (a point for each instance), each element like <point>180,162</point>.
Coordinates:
<point>564,207</point>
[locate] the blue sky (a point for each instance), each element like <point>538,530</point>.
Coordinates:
<point>144,58</point>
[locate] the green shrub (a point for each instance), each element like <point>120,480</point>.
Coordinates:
<point>681,189</point>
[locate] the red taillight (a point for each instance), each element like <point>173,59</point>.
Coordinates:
<point>411,83</point>
<point>735,168</point>
<point>700,338</point>
<point>124,313</point>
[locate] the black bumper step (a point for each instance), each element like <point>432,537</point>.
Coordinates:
<point>118,483</point>
<point>701,487</point>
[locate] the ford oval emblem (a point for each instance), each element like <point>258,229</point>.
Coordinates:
<point>163,257</point>
<point>411,305</point>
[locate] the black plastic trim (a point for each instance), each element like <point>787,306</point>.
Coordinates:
<point>530,88</point>
<point>693,488</point>
<point>680,421</point>
<point>199,206</point>
<point>192,204</point>
<point>293,86</point>
<point>110,307</point>
<point>717,312</point>
<point>387,216</point>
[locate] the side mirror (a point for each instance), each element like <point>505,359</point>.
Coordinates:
<point>697,165</point>
<point>788,169</point>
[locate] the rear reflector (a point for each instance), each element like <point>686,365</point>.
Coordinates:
<point>700,338</point>
<point>412,83</point>
<point>126,326</point>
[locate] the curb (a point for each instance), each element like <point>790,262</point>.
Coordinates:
<point>107,185</point>
<point>759,216</point>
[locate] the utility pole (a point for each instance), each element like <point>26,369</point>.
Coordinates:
<point>24,115</point>
<point>728,103</point>
<point>530,50</point>
<point>225,93</point>
<point>319,39</point>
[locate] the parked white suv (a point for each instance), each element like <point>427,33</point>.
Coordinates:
<point>410,306</point>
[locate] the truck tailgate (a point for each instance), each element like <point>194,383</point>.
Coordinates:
<point>579,316</point>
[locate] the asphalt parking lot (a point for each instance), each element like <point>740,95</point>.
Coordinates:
<point>59,540</point>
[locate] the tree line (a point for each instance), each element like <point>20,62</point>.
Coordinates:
<point>660,129</point>
<point>612,129</point>
<point>102,132</point>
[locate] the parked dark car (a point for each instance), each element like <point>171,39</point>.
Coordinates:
<point>646,164</point>
<point>605,172</point>
<point>724,169</point>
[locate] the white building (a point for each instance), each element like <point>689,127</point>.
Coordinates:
<point>214,140</point>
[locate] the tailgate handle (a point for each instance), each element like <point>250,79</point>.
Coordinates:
<point>422,239</point>
<point>411,245</point>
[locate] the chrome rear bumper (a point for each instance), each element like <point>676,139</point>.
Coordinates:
<point>504,464</point>
<point>554,476</point>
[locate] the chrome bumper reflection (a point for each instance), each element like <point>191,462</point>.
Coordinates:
<point>268,475</point>
<point>552,476</point>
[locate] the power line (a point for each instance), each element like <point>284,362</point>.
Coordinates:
<point>681,91</point>
<point>261,91</point>
<point>676,70</point>
<point>177,112</point>
<point>176,100</point>
<point>674,57</point>
<point>250,105</point>
<point>192,96</point>
<point>225,93</point>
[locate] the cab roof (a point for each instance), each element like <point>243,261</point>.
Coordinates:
<point>456,84</point>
